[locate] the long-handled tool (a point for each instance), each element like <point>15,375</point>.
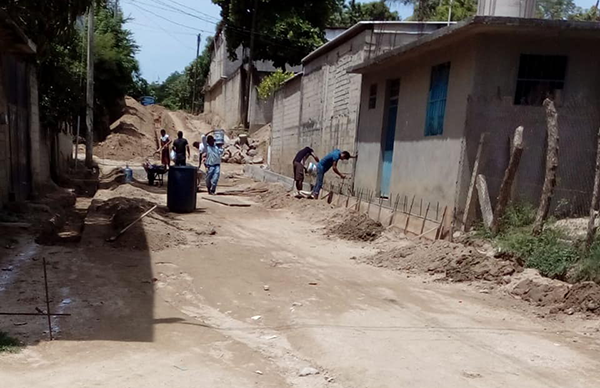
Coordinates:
<point>115,237</point>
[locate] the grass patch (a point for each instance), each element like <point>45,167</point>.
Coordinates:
<point>549,253</point>
<point>552,252</point>
<point>588,268</point>
<point>8,343</point>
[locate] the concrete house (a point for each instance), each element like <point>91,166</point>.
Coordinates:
<point>425,105</point>
<point>23,155</point>
<point>319,108</point>
<point>226,87</point>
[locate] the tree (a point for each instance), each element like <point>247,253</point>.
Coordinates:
<point>461,9</point>
<point>286,31</point>
<point>556,9</point>
<point>116,68</point>
<point>351,13</point>
<point>177,90</point>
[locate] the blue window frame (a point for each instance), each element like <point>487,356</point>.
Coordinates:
<point>436,103</point>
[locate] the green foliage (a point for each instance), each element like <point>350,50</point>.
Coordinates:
<point>286,31</point>
<point>518,215</point>
<point>555,9</point>
<point>8,344</point>
<point>176,92</point>
<point>550,253</point>
<point>269,85</point>
<point>461,9</point>
<point>351,13</point>
<point>47,22</point>
<point>57,27</point>
<point>116,67</point>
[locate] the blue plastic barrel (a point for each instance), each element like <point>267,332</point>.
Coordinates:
<point>181,189</point>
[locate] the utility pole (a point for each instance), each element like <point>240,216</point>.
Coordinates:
<point>250,66</point>
<point>195,85</point>
<point>89,139</point>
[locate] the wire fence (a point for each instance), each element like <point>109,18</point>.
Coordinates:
<point>578,130</point>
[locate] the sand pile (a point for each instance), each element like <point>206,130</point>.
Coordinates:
<point>355,226</point>
<point>132,137</point>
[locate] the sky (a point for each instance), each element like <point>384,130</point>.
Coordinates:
<point>166,31</point>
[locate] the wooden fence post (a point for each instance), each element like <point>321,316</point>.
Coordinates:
<point>507,181</point>
<point>474,173</point>
<point>591,229</point>
<point>551,167</point>
<point>484,201</point>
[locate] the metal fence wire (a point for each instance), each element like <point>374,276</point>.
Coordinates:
<point>578,130</point>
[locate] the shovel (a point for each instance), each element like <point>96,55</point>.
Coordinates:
<point>115,237</point>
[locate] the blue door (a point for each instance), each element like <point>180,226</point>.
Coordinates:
<point>389,136</point>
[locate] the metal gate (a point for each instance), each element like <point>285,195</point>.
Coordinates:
<point>17,92</point>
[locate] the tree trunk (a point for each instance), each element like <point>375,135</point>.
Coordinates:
<point>484,201</point>
<point>591,229</point>
<point>507,181</point>
<point>551,167</point>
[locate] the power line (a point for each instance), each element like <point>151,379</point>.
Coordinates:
<point>159,26</point>
<point>233,28</point>
<point>191,9</point>
<point>153,28</point>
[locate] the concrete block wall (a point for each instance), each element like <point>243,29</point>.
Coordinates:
<point>285,126</point>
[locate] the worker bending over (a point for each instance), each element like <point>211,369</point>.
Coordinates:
<point>299,165</point>
<point>330,160</point>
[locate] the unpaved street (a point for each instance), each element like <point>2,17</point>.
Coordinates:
<point>265,297</point>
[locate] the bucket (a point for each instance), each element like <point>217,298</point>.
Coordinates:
<point>312,169</point>
<point>219,136</point>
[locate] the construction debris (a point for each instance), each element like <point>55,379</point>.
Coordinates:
<point>248,149</point>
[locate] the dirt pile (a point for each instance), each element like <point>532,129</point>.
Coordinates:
<point>132,136</point>
<point>557,295</point>
<point>157,231</point>
<point>355,226</point>
<point>455,261</point>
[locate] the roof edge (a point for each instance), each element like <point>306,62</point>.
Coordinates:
<point>471,23</point>
<point>27,44</point>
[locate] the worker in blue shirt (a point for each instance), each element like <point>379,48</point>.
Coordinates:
<point>212,161</point>
<point>330,160</point>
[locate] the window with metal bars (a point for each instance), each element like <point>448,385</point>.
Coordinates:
<point>540,77</point>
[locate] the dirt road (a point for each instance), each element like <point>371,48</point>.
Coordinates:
<point>266,297</point>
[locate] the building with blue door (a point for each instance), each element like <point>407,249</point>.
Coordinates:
<point>424,106</point>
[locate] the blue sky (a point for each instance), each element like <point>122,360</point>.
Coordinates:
<point>166,31</point>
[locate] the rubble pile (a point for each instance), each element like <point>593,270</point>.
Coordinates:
<point>248,149</point>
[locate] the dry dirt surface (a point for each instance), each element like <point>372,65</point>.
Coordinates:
<point>132,137</point>
<point>269,300</point>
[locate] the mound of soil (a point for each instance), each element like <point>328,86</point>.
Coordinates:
<point>356,227</point>
<point>132,136</point>
<point>583,297</point>
<point>457,262</point>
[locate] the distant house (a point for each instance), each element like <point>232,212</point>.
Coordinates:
<point>319,108</point>
<point>24,158</point>
<point>226,87</point>
<point>425,105</point>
